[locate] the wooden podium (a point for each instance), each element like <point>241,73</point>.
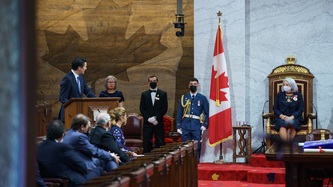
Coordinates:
<point>81,105</point>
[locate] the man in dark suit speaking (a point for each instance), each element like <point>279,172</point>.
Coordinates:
<point>153,106</point>
<point>73,84</point>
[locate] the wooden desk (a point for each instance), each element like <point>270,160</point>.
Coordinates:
<point>242,142</point>
<point>300,166</point>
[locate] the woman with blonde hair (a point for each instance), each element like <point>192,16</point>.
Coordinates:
<point>118,119</point>
<point>111,90</point>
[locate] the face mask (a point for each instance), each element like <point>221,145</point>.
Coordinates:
<point>153,85</point>
<point>286,88</point>
<point>193,88</point>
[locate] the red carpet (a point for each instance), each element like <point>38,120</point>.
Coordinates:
<point>259,172</point>
<point>206,183</point>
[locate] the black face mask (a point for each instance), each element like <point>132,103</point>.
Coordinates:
<point>153,85</point>
<point>193,88</point>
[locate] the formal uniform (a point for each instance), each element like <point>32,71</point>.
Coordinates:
<point>191,115</point>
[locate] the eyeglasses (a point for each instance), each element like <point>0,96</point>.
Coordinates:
<point>111,82</point>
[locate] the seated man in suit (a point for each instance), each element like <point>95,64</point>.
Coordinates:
<point>39,180</point>
<point>56,159</point>
<point>93,156</point>
<point>102,138</point>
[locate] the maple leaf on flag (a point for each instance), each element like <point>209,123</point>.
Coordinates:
<point>223,83</point>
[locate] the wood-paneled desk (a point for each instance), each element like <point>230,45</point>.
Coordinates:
<point>300,166</point>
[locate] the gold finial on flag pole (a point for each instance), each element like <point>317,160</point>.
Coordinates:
<point>219,14</point>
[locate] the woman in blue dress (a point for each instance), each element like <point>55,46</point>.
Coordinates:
<point>111,90</point>
<point>288,109</point>
<point>118,119</point>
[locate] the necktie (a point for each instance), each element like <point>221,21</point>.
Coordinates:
<point>78,84</point>
<point>192,97</point>
<point>152,91</point>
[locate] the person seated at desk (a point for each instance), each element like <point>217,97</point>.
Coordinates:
<point>102,138</point>
<point>111,90</point>
<point>60,160</point>
<point>118,119</point>
<point>288,108</point>
<point>93,156</point>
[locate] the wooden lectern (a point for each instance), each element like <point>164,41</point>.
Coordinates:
<point>81,105</point>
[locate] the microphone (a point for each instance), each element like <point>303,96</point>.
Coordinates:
<point>90,91</point>
<point>44,102</point>
<point>316,114</point>
<point>263,108</point>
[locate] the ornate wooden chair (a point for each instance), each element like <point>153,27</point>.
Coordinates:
<point>304,80</point>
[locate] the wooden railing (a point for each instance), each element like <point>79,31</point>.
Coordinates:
<point>173,165</point>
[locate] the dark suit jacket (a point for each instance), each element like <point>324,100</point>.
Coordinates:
<point>60,160</point>
<point>159,109</point>
<point>69,89</point>
<point>85,149</point>
<point>106,141</point>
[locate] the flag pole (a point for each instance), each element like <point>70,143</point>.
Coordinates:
<point>220,161</point>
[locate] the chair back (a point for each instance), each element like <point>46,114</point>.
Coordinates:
<point>168,122</point>
<point>133,127</point>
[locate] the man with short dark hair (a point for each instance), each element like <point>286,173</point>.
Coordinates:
<point>153,106</point>
<point>92,155</point>
<point>73,84</point>
<point>56,159</point>
<point>191,107</point>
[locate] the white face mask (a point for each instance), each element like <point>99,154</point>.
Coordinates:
<point>286,88</point>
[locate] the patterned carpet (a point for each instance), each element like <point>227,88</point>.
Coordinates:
<point>259,172</point>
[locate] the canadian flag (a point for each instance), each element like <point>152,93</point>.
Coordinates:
<point>219,101</point>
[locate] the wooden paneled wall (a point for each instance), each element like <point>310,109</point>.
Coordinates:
<point>130,39</point>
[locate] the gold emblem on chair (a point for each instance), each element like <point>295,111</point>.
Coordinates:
<point>291,60</point>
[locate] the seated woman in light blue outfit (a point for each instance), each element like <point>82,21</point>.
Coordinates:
<point>118,119</point>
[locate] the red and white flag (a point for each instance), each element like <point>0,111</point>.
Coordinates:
<point>220,128</point>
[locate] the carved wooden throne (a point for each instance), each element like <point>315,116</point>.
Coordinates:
<point>304,80</point>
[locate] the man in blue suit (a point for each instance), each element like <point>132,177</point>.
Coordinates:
<point>73,84</point>
<point>56,159</point>
<point>191,106</point>
<point>92,155</point>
